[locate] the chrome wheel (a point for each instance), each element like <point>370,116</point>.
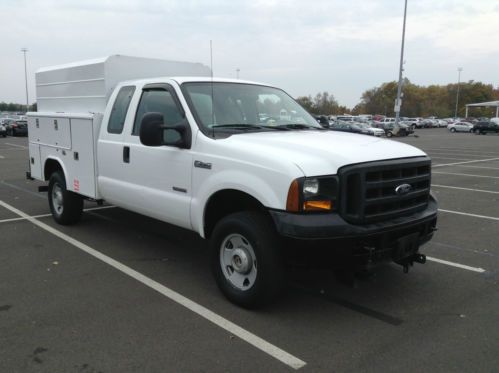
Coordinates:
<point>238,261</point>
<point>57,199</point>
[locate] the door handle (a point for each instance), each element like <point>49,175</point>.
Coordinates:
<point>126,154</point>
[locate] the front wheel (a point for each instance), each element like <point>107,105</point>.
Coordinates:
<point>246,260</point>
<point>453,130</point>
<point>66,206</point>
<point>389,134</point>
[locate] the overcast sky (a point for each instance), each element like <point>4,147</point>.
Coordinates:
<point>304,47</point>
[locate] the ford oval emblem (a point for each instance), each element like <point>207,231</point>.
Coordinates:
<point>403,189</point>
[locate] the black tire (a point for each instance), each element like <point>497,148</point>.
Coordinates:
<point>389,134</point>
<point>477,132</point>
<point>68,206</point>
<point>267,279</point>
<point>453,130</point>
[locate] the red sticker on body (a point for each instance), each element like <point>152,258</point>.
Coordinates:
<point>76,185</point>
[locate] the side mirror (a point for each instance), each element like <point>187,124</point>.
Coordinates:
<point>153,129</point>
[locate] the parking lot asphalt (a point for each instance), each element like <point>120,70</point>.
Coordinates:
<point>110,309</point>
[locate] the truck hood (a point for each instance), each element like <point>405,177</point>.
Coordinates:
<point>320,152</point>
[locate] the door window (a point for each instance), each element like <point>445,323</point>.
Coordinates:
<point>158,101</point>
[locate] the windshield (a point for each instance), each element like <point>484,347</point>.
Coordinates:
<point>237,106</point>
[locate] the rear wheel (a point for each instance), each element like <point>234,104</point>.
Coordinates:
<point>389,134</point>
<point>246,260</point>
<point>453,130</point>
<point>66,206</point>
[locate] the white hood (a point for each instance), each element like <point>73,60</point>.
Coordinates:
<point>319,152</point>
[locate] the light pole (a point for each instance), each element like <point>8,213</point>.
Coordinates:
<point>24,50</point>
<point>459,69</point>
<point>237,73</point>
<point>398,103</point>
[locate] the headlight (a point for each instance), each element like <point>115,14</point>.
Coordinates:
<point>310,187</point>
<point>313,194</point>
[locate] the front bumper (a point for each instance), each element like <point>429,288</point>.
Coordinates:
<point>329,240</point>
<point>333,226</point>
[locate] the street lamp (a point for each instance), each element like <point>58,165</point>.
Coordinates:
<point>237,73</point>
<point>459,69</point>
<point>398,102</point>
<point>24,50</point>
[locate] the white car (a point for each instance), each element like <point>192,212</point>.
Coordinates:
<point>3,130</point>
<point>460,127</point>
<point>373,131</point>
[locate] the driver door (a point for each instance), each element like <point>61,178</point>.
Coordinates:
<point>159,178</point>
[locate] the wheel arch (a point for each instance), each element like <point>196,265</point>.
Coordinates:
<point>225,202</point>
<point>52,165</point>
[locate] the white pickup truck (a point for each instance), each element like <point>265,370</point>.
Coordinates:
<point>240,163</point>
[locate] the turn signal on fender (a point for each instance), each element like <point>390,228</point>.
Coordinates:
<point>293,201</point>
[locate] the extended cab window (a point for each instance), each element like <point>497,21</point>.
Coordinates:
<point>120,108</point>
<point>159,101</point>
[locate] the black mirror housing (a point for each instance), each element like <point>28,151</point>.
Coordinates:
<point>152,130</point>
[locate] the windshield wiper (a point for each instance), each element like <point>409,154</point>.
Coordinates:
<point>245,126</point>
<point>299,126</point>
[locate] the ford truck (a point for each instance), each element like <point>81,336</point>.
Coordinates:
<point>240,163</point>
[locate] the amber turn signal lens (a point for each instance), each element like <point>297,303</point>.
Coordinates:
<point>317,205</point>
<point>293,202</point>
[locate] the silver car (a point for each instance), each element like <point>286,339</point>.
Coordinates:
<point>460,127</point>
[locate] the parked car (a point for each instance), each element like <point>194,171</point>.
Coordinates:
<point>17,128</point>
<point>3,130</point>
<point>460,127</point>
<point>404,130</point>
<point>441,123</point>
<point>414,122</point>
<point>346,127</point>
<point>365,128</point>
<point>482,128</point>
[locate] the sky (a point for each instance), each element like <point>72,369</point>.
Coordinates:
<point>303,47</point>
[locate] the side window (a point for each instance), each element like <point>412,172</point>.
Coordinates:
<point>158,101</point>
<point>120,107</point>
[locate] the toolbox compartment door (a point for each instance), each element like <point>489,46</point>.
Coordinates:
<point>35,166</point>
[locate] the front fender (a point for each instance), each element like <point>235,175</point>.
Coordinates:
<point>268,194</point>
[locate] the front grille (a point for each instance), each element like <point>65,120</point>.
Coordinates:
<point>367,190</point>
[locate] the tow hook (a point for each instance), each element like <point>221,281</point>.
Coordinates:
<point>418,258</point>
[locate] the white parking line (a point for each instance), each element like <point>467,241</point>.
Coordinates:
<point>45,215</point>
<point>470,175</point>
<point>482,167</point>
<point>456,159</point>
<point>459,151</point>
<point>2,157</point>
<point>216,319</point>
<point>474,161</point>
<point>468,214</point>
<point>461,188</point>
<point>456,154</point>
<point>15,145</point>
<point>452,264</point>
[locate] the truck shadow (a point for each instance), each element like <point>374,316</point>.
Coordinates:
<point>180,253</point>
